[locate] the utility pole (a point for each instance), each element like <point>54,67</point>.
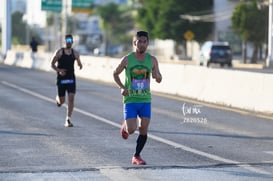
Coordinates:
<point>64,18</point>
<point>6,27</point>
<point>270,38</point>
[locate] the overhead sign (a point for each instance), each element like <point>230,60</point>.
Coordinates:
<point>82,6</point>
<point>52,5</point>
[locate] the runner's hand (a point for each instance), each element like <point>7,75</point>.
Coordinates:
<point>62,72</point>
<point>124,92</point>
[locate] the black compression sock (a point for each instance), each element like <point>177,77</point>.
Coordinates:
<point>141,140</point>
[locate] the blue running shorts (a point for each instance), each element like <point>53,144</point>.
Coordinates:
<point>134,110</point>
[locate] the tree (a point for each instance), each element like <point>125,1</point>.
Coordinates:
<point>18,28</point>
<point>162,18</point>
<point>250,23</point>
<point>116,22</point>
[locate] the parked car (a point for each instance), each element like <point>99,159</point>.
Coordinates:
<point>216,52</point>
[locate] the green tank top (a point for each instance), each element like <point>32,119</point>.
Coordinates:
<point>137,79</point>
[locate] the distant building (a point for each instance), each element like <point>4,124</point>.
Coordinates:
<point>223,31</point>
<point>90,37</point>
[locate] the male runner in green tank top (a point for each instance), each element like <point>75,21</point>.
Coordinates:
<point>138,67</point>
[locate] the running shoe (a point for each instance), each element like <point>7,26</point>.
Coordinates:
<point>68,123</point>
<point>137,160</point>
<point>57,102</point>
<point>123,133</point>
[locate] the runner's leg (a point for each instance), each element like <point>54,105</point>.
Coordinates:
<point>144,121</point>
<point>130,117</point>
<point>70,104</point>
<point>131,125</point>
<point>60,98</point>
<point>142,137</point>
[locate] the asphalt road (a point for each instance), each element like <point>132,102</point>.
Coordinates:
<point>188,140</point>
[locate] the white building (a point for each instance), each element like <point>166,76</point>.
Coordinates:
<point>223,10</point>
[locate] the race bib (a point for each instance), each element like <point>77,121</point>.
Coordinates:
<point>67,81</point>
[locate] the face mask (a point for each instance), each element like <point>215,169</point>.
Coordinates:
<point>68,40</point>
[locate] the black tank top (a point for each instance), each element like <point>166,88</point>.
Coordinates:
<point>66,62</point>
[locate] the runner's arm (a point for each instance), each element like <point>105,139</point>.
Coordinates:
<point>77,57</point>
<point>155,70</point>
<point>54,60</point>
<point>117,71</point>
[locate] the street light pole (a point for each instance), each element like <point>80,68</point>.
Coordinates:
<point>270,38</point>
<point>64,17</point>
<point>6,27</point>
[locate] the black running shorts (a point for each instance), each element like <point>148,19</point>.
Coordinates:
<point>69,88</point>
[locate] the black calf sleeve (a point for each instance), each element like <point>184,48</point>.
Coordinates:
<point>141,140</point>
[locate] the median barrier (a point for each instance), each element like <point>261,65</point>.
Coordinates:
<point>12,58</point>
<point>240,89</point>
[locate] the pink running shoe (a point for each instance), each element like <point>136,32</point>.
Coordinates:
<point>123,133</point>
<point>137,160</point>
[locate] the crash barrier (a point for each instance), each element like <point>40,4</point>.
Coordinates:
<point>246,90</point>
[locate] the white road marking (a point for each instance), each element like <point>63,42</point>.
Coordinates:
<point>154,137</point>
<point>269,152</point>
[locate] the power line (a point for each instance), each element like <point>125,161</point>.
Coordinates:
<point>207,18</point>
<point>209,15</point>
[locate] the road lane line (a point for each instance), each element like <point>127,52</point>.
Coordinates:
<point>28,91</point>
<point>269,152</point>
<point>154,137</point>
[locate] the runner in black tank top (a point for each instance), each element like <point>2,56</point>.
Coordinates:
<point>66,80</point>
<point>66,62</point>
